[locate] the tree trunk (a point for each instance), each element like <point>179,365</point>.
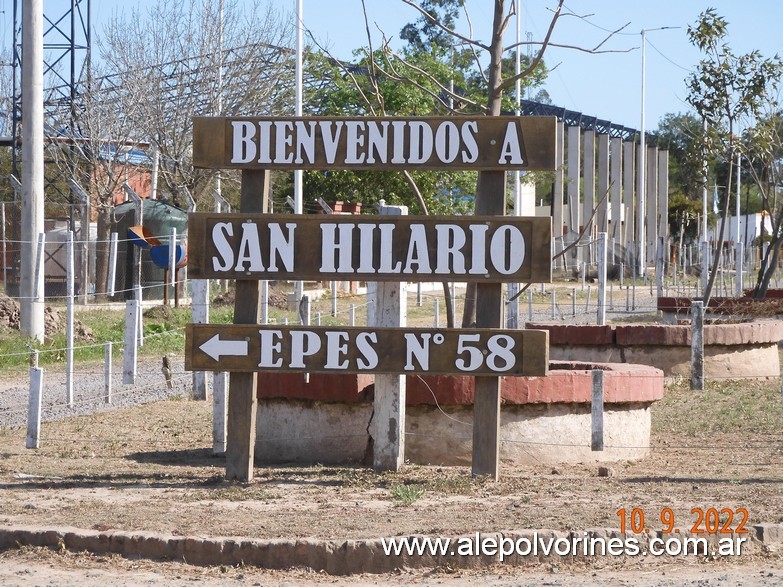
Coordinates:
<point>102,250</point>
<point>494,100</point>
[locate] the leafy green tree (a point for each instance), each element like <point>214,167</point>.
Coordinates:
<point>764,150</point>
<point>726,90</point>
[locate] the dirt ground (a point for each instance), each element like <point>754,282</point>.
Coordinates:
<point>152,468</point>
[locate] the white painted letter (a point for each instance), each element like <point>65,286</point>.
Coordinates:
<point>369,358</point>
<point>419,348</point>
<point>366,248</point>
<point>354,140</point>
<point>283,140</point>
<point>249,249</point>
<point>469,130</point>
<point>418,252</point>
<point>507,249</point>
<point>387,250</point>
<point>280,247</point>
<point>269,347</point>
<point>336,346</point>
<point>305,142</point>
<point>243,148</point>
<point>510,149</point>
<point>447,142</point>
<point>478,249</point>
<point>330,140</point>
<point>220,231</point>
<point>420,142</point>
<point>304,343</point>
<point>377,141</point>
<point>450,239</point>
<point>342,247</point>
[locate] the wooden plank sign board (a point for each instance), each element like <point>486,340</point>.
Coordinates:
<point>338,349</point>
<point>476,143</point>
<point>369,248</point>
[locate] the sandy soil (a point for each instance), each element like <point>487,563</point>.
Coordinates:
<point>151,468</point>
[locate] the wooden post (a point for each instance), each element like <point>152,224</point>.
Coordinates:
<point>489,314</point>
<point>697,345</point>
<point>242,401</point>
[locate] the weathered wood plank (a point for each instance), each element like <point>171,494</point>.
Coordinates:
<point>477,143</point>
<point>242,403</point>
<point>371,248</point>
<point>343,349</point>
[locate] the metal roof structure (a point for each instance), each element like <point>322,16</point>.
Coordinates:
<point>574,118</point>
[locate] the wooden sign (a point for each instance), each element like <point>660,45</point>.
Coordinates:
<point>475,143</point>
<point>338,349</point>
<point>369,248</point>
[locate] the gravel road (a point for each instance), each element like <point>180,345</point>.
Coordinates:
<point>88,390</point>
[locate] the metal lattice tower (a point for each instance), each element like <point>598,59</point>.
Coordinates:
<point>67,37</point>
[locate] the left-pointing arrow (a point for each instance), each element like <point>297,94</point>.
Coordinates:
<point>216,348</point>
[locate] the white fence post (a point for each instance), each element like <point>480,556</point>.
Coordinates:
<point>112,264</point>
<point>602,278</point>
<point>132,311</point>
<point>107,371</point>
<point>200,305</point>
<point>69,302</point>
<point>34,408</point>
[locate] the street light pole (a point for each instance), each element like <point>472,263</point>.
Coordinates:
<point>298,176</point>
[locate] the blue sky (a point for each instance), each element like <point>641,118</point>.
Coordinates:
<point>605,85</point>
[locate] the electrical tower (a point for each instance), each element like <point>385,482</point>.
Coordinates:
<point>66,70</point>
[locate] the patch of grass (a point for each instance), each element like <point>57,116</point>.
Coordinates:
<point>232,493</point>
<point>724,406</point>
<point>403,494</point>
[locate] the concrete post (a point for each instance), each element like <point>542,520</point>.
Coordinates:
<point>597,411</point>
<point>573,163</point>
<point>651,214</point>
<point>603,183</point>
<point>31,290</point>
<point>200,309</point>
<point>559,184</point>
<point>663,200</point>
<point>601,278</point>
<point>388,423</point>
<point>616,190</point>
<point>629,233</point>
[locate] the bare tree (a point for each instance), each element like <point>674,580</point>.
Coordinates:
<point>159,69</point>
<point>496,82</point>
<point>182,59</point>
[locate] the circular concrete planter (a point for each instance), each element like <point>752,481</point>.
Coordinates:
<point>745,350</point>
<point>543,419</point>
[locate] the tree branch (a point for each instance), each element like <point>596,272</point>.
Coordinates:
<point>445,29</point>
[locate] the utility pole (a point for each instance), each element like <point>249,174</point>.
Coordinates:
<point>31,289</point>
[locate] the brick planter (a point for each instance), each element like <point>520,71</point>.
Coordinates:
<point>543,419</point>
<point>746,350</point>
